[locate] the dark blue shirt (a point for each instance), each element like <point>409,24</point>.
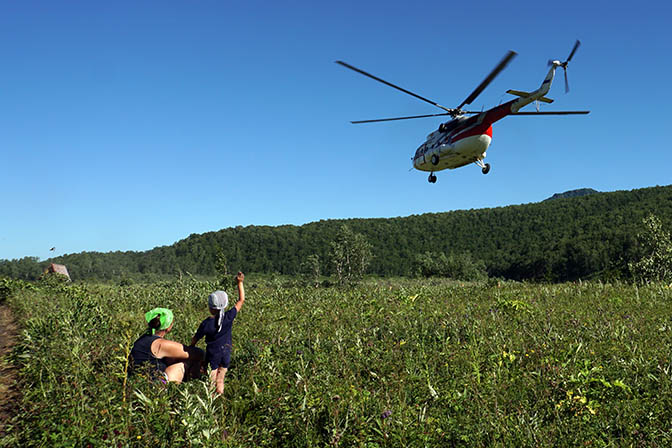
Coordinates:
<point>141,353</point>
<point>217,341</point>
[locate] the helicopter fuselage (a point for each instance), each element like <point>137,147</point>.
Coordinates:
<point>464,144</point>
<point>464,140</point>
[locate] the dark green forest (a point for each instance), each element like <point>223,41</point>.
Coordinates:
<point>564,239</point>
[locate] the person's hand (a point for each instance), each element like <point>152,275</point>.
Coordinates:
<point>240,277</point>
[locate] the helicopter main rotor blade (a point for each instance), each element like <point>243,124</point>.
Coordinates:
<point>346,65</point>
<point>408,118</point>
<point>559,112</point>
<point>502,64</point>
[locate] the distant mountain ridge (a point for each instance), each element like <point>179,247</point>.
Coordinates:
<point>572,194</point>
<point>578,237</point>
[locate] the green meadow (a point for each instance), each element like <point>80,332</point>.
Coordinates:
<point>396,362</point>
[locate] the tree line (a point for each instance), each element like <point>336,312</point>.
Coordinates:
<point>594,236</point>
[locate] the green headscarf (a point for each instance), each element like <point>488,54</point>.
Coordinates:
<point>165,317</point>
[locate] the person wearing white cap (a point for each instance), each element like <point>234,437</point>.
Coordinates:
<point>217,332</point>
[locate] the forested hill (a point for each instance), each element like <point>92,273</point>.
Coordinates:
<point>562,239</point>
<point>573,194</point>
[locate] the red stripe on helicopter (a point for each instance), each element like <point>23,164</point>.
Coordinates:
<point>483,129</point>
<point>486,121</point>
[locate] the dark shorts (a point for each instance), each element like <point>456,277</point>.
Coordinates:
<point>219,358</point>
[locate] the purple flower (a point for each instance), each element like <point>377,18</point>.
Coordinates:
<point>386,414</point>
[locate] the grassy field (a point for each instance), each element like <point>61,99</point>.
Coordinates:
<point>388,363</point>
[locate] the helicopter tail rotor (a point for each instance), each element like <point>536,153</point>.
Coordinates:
<point>564,64</point>
<point>571,55</point>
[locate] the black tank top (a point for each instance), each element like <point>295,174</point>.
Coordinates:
<point>141,353</point>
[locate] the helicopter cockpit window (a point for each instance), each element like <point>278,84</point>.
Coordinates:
<point>447,127</point>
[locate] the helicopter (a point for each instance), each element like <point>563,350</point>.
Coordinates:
<point>466,137</point>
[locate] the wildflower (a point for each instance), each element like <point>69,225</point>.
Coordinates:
<point>386,414</point>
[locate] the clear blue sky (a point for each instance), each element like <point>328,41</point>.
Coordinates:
<point>129,125</point>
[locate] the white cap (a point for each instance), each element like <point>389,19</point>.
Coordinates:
<point>218,300</point>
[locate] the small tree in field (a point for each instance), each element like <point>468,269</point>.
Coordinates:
<point>350,256</point>
<point>222,269</point>
<point>655,263</point>
<point>311,269</point>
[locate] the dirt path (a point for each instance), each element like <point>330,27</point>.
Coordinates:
<point>8,392</point>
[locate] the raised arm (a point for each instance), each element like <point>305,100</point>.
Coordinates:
<point>241,291</point>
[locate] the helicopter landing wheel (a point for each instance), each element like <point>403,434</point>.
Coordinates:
<point>432,178</point>
<point>435,159</point>
<point>486,168</point>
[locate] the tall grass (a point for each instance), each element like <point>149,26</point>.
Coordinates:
<point>388,363</point>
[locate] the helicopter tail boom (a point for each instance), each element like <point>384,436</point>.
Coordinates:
<point>537,95</point>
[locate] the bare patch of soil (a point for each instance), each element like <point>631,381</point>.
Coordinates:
<point>8,392</point>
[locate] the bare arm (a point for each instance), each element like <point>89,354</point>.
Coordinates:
<point>163,348</point>
<point>241,291</point>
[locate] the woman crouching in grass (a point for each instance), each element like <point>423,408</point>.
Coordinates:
<point>217,332</point>
<point>164,359</point>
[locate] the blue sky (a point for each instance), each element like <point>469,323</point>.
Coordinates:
<point>130,125</point>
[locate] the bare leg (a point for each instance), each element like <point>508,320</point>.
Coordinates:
<point>175,372</point>
<point>187,369</point>
<point>217,377</point>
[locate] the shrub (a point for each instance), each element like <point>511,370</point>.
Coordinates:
<point>456,266</point>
